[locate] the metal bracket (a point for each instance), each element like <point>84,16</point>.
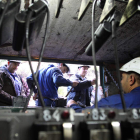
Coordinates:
<point>108,8</point>
<point>83,8</point>
<point>132,7</point>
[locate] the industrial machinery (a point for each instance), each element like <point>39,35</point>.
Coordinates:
<point>43,123</point>
<point>65,124</point>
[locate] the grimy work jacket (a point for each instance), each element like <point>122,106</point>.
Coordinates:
<point>7,88</point>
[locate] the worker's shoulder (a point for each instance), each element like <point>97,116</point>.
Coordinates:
<point>54,70</point>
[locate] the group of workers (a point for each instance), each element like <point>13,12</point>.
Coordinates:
<point>80,89</point>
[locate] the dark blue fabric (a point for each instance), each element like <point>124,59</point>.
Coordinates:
<point>132,100</point>
<point>18,86</point>
<point>45,80</point>
<point>47,103</point>
<point>82,92</point>
<point>77,108</point>
<point>49,80</point>
<point>17,83</point>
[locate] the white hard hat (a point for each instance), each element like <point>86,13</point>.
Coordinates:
<point>133,65</point>
<point>83,66</point>
<point>14,61</point>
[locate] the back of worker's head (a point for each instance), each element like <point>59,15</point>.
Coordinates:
<point>130,75</point>
<point>132,66</point>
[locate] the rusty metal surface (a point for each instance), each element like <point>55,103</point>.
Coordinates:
<point>68,37</point>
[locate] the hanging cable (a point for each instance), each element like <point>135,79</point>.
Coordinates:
<point>117,64</point>
<point>4,11</point>
<point>93,51</point>
<point>40,56</point>
<point>29,57</point>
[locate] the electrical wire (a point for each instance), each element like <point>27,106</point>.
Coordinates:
<point>4,11</point>
<point>93,51</point>
<point>29,57</point>
<point>117,65</point>
<point>40,57</point>
<point>44,41</point>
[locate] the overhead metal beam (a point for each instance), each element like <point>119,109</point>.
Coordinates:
<point>50,60</point>
<point>84,6</point>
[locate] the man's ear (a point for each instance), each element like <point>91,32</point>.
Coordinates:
<point>132,80</point>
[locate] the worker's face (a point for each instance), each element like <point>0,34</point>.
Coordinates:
<point>125,82</point>
<point>83,71</point>
<point>64,69</point>
<point>12,66</point>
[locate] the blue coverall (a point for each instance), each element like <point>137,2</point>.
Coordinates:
<point>132,100</point>
<point>49,80</point>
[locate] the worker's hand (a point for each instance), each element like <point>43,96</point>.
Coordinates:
<point>71,102</point>
<point>34,97</point>
<point>75,84</point>
<point>93,82</point>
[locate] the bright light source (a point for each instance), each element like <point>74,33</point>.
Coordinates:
<point>67,125</point>
<point>115,124</point>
